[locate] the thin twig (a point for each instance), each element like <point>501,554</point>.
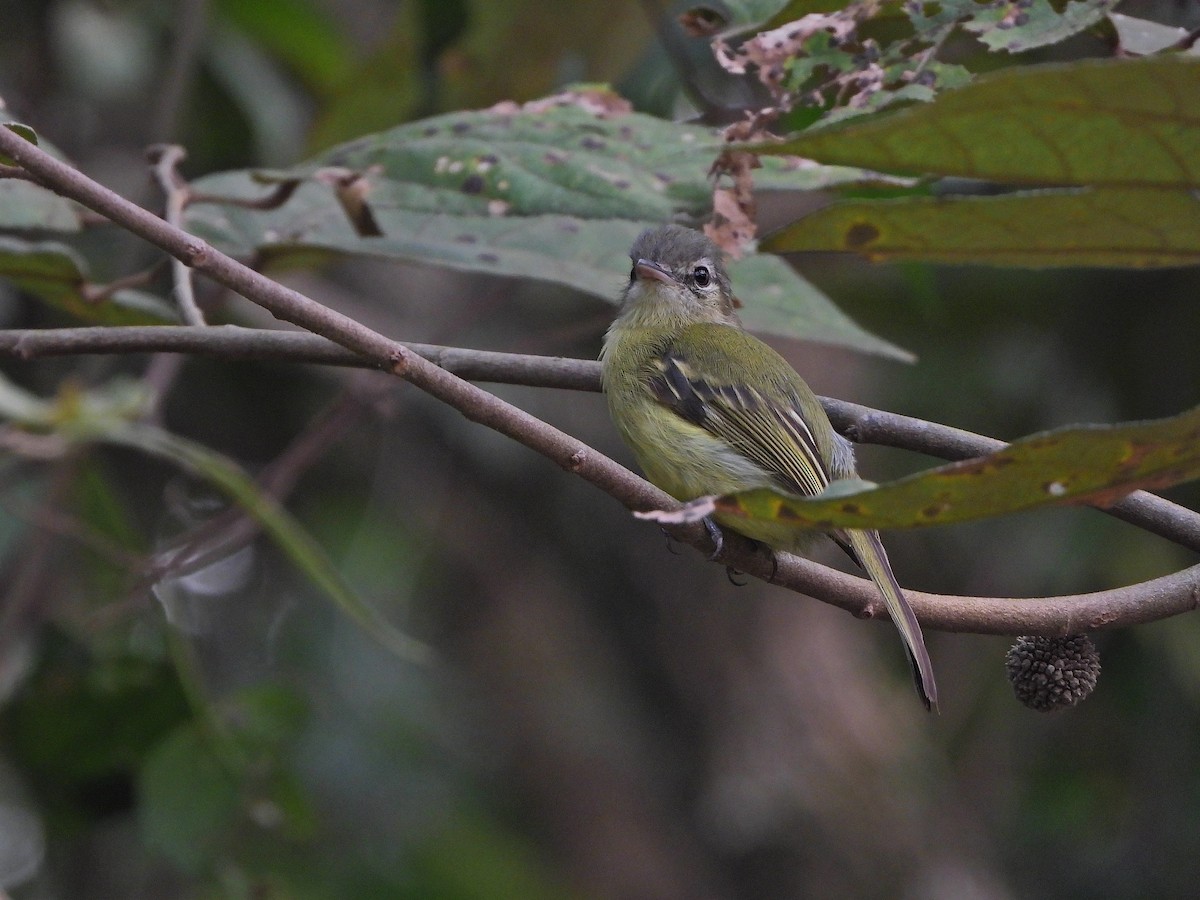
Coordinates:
<point>99,293</point>
<point>164,159</point>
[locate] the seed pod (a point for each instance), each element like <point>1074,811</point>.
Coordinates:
<point>1049,673</point>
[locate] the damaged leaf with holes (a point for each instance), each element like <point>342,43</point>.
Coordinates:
<point>1088,464</point>
<point>855,58</point>
<point>593,160</point>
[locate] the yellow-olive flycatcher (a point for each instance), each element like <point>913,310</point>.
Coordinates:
<point>709,409</point>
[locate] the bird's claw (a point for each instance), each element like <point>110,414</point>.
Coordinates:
<point>718,539</point>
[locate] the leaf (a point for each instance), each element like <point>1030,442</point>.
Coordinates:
<point>1093,464</point>
<point>1118,123</point>
<point>796,9</point>
<point>83,717</point>
<point>588,255</point>
<point>188,800</point>
<point>30,207</point>
<point>554,191</point>
<point>1141,37</point>
<point>1083,227</point>
<point>1023,26</point>
<point>57,274</point>
<point>17,128</point>
<point>266,717</point>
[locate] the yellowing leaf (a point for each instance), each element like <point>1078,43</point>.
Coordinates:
<point>1094,464</point>
<point>1078,227</point>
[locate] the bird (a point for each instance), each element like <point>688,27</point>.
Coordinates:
<point>707,408</point>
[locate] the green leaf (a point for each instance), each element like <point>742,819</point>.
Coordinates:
<point>1101,227</point>
<point>83,718</point>
<point>57,274</point>
<point>30,207</point>
<point>555,193</point>
<point>560,159</point>
<point>1094,464</point>
<point>1119,123</point>
<point>1017,27</point>
<point>17,128</point>
<point>188,800</point>
<point>797,9</point>
<point>267,716</point>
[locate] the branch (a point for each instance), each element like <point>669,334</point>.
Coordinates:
<point>234,342</point>
<point>164,158</point>
<point>861,424</point>
<point>1056,615</point>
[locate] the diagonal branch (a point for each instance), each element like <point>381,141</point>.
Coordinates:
<point>861,424</point>
<point>1054,615</point>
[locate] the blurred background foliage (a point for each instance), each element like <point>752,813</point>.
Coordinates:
<point>605,718</point>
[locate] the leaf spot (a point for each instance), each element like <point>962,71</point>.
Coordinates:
<point>860,234</point>
<point>934,510</point>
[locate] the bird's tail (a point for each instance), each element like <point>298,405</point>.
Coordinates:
<point>872,557</point>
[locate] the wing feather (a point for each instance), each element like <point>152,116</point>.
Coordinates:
<point>772,435</point>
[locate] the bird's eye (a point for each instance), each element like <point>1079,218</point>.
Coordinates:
<point>701,276</point>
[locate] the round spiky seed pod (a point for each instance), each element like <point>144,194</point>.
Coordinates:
<point>1049,673</point>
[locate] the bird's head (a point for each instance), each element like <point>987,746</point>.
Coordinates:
<point>678,276</point>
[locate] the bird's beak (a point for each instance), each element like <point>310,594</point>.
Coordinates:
<point>647,269</point>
